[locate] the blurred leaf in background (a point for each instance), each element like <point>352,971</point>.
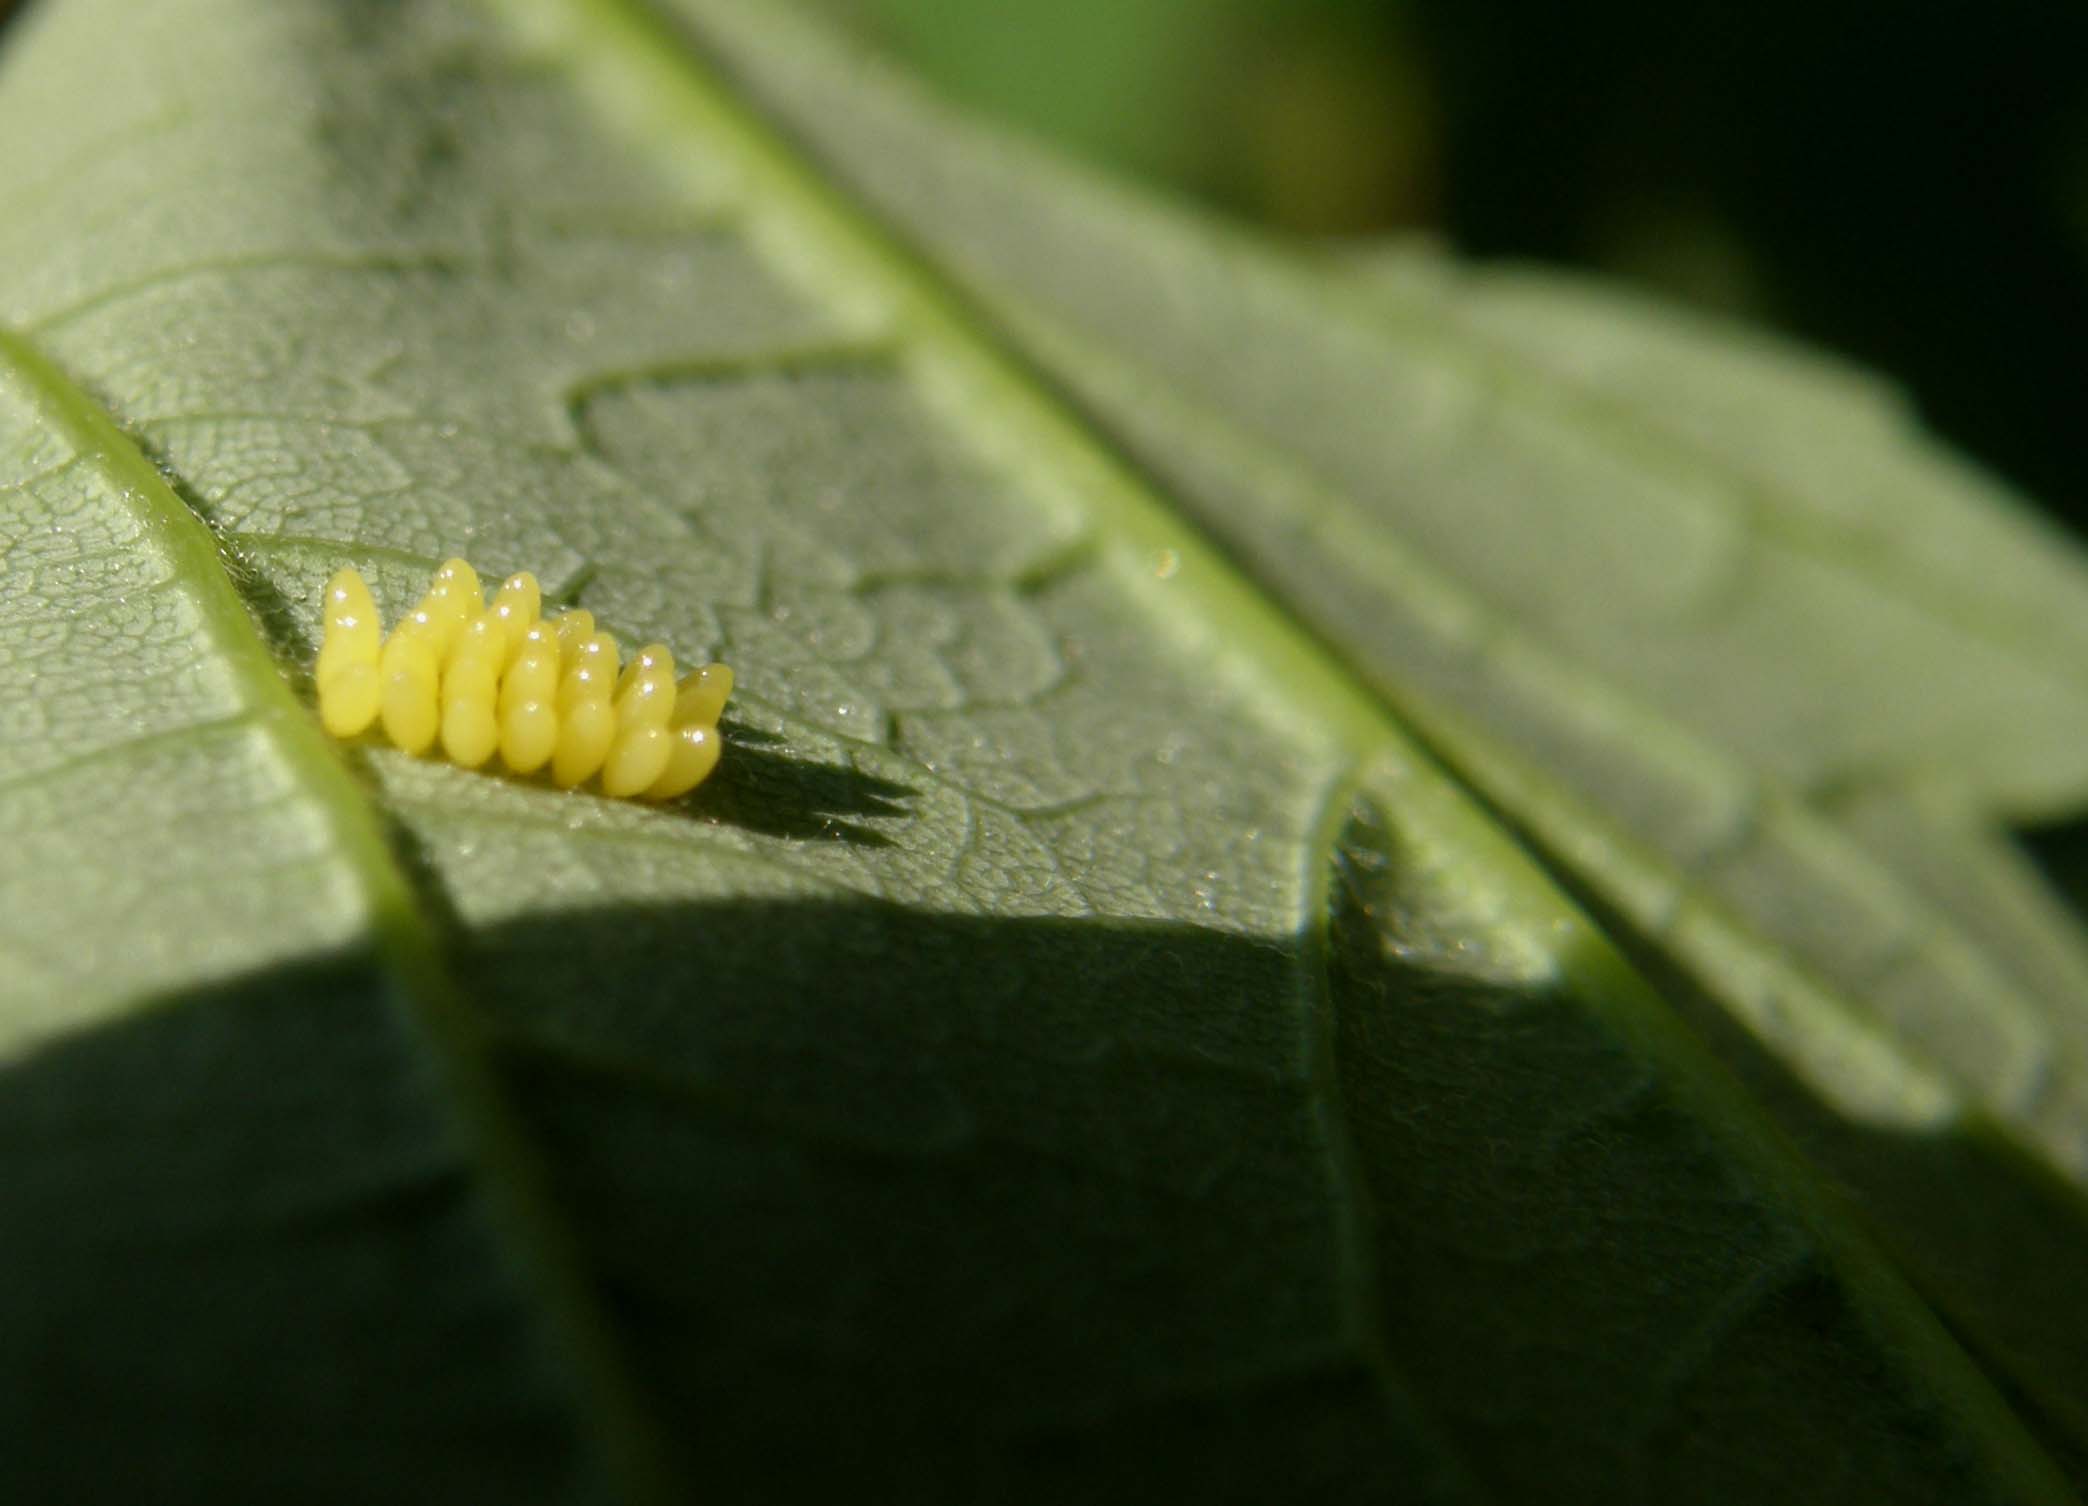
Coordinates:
<point>1315,117</point>
<point>1905,184</point>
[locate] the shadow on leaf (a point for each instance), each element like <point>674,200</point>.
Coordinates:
<point>1994,1241</point>
<point>780,795</point>
<point>924,1207</point>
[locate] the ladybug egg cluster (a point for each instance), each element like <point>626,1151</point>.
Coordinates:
<point>483,677</point>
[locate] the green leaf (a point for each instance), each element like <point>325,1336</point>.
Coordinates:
<point>1078,1046</point>
<point>1753,665</point>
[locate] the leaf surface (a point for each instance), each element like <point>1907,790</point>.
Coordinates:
<point>1756,666</point>
<point>1077,1047</point>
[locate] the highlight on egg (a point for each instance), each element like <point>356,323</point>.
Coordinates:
<point>483,679</point>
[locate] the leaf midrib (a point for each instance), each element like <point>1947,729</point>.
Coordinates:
<point>1453,738</point>
<point>403,938</point>
<point>1132,523</point>
<point>624,52</point>
<point>191,550</point>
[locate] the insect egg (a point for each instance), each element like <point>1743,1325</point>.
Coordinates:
<point>470,731</point>
<point>470,691</point>
<point>693,754</point>
<point>590,671</point>
<point>349,698</point>
<point>528,735</point>
<point>484,638</point>
<point>351,612</point>
<point>574,628</point>
<point>338,653</point>
<point>408,704</point>
<point>435,623</point>
<point>471,679</point>
<point>638,757</point>
<point>586,730</point>
<point>647,699</point>
<point>652,656</point>
<point>531,677</point>
<point>453,608</point>
<point>349,688</point>
<point>699,700</point>
<point>481,678</point>
<point>538,635</point>
<point>455,580</point>
<point>517,601</point>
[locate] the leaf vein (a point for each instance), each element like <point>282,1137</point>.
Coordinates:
<point>435,1008</point>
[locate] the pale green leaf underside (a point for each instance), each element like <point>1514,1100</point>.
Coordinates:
<point>1754,663</point>
<point>1075,1047</point>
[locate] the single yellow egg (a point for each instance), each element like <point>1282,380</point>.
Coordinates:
<point>636,760</point>
<point>699,700</point>
<point>469,731</point>
<point>338,651</point>
<point>349,698</point>
<point>647,699</point>
<point>484,637</point>
<point>517,601</point>
<point>652,656</point>
<point>410,690</point>
<point>597,649</point>
<point>456,581</point>
<point>586,731</point>
<point>590,671</point>
<point>692,755</point>
<point>434,623</point>
<point>540,635</point>
<point>349,605</point>
<point>573,628</point>
<point>408,710</point>
<point>532,677</point>
<point>410,652</point>
<point>454,609</point>
<point>471,679</point>
<point>528,736</point>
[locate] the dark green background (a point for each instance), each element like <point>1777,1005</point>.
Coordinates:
<point>1904,183</point>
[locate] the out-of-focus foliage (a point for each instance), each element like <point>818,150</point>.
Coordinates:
<point>1908,184</point>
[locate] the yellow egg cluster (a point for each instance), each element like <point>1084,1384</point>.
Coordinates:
<point>484,677</point>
